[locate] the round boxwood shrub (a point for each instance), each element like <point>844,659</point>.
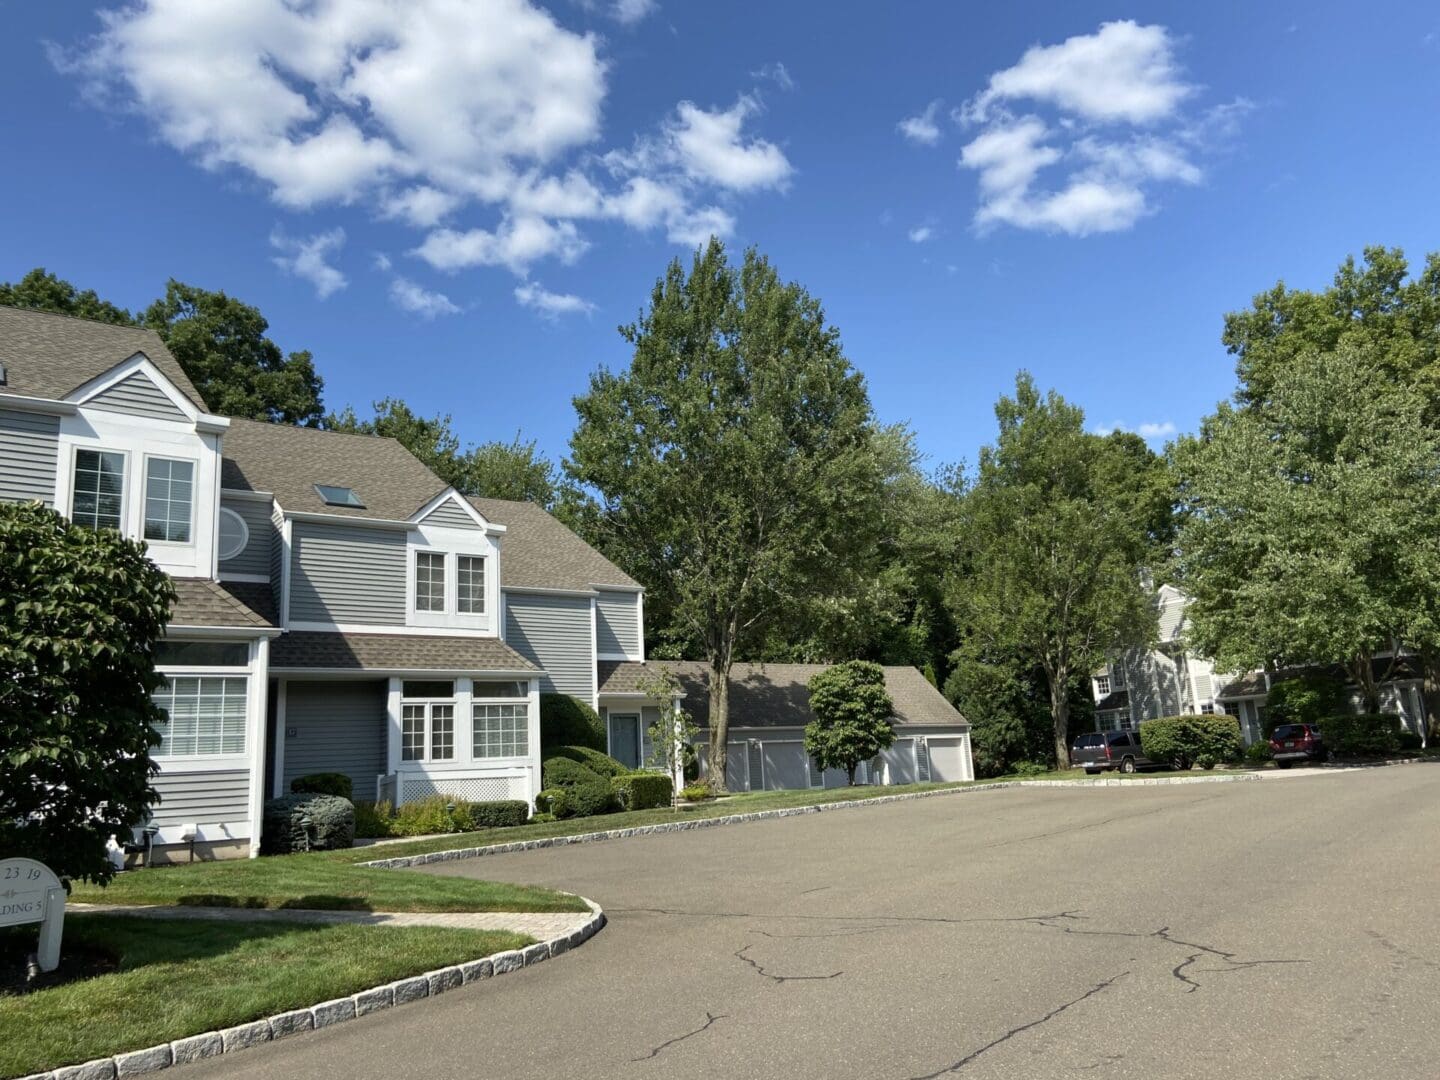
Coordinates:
<point>552,803</point>
<point>642,790</point>
<point>568,721</point>
<point>587,800</point>
<point>594,760</point>
<point>1184,741</point>
<point>307,822</point>
<point>325,783</point>
<point>587,792</point>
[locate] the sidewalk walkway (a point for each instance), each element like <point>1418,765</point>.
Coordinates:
<point>542,926</point>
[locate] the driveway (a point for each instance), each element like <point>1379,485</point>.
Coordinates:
<point>1244,930</point>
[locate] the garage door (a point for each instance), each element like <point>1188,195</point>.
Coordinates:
<point>948,759</point>
<point>785,766</point>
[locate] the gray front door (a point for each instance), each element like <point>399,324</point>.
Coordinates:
<point>625,739</point>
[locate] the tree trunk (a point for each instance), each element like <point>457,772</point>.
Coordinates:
<point>1060,714</point>
<point>1430,692</point>
<point>850,773</point>
<point>1362,670</point>
<point>719,721</point>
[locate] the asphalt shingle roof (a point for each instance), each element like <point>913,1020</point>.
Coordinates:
<point>394,652</point>
<point>778,695</point>
<point>201,602</point>
<point>47,355</point>
<point>539,552</point>
<point>289,461</point>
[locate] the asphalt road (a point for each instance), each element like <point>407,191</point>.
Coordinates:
<point>1240,930</point>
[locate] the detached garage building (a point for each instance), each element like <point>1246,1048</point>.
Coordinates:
<point>770,706</point>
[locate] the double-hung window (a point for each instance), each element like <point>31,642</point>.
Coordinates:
<point>169,499</point>
<point>429,581</point>
<point>1102,685</point>
<point>427,727</point>
<point>98,490</point>
<point>470,584</point>
<point>500,728</point>
<point>205,714</point>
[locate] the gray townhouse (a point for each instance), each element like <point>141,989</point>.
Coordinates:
<point>341,609</point>
<point>1169,678</point>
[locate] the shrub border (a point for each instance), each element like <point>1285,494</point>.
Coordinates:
<point>403,862</point>
<point>326,1014</point>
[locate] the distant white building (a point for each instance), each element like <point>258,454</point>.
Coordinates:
<point>1169,680</point>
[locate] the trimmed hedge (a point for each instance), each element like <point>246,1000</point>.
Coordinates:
<point>331,824</point>
<point>594,760</point>
<point>567,772</point>
<point>325,783</point>
<point>423,817</point>
<point>1361,733</point>
<point>643,790</point>
<point>586,791</point>
<point>1188,740</point>
<point>568,721</point>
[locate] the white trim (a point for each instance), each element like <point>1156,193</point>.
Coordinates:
<point>277,780</point>
<point>332,519</point>
<point>535,589</point>
<point>49,406</point>
<point>253,579</point>
<point>617,656</point>
<point>287,542</point>
<point>398,673</point>
<point>148,456</point>
<point>247,494</point>
<point>640,628</point>
<point>616,588</point>
<point>220,511</point>
<point>212,832</point>
<point>594,658</point>
<point>188,631</point>
<point>126,476</point>
<point>391,630</point>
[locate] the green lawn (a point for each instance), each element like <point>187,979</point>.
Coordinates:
<point>182,977</point>
<point>317,881</point>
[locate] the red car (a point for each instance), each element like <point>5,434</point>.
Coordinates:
<point>1297,742</point>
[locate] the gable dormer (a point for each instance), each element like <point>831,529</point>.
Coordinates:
<point>453,567</point>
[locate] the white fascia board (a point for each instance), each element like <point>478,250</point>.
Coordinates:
<point>451,495</point>
<point>211,424</point>
<point>187,631</point>
<point>247,494</point>
<point>539,591</point>
<point>340,519</point>
<point>618,588</point>
<point>49,406</point>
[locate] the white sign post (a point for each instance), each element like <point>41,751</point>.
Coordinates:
<point>29,893</point>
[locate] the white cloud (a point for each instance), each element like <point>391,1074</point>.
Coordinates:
<point>551,305</point>
<point>1117,133</point>
<point>516,244</point>
<point>777,73</point>
<point>381,261</point>
<point>408,296</point>
<point>432,113</point>
<point>695,227</point>
<point>922,128</point>
<point>1122,72</point>
<point>711,147</point>
<point>921,233</point>
<point>308,259</point>
<point>1150,431</point>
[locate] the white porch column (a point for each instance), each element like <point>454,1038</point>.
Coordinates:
<point>255,737</point>
<point>533,768</point>
<point>392,731</point>
<point>277,779</point>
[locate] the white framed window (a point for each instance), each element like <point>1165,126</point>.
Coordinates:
<point>427,720</point>
<point>430,581</point>
<point>205,715</point>
<point>97,493</point>
<point>1117,678</point>
<point>169,499</point>
<point>500,730</point>
<point>470,584</point>
<point>1208,710</point>
<point>234,534</point>
<point>1102,685</point>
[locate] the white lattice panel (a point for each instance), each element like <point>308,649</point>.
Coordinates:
<point>468,788</point>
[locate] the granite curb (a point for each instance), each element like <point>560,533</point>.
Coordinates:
<point>403,862</point>
<point>327,1013</point>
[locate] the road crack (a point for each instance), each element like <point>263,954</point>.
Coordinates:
<point>971,1057</point>
<point>760,970</point>
<point>710,1019</point>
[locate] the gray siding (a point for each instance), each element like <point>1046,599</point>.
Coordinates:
<point>255,559</point>
<point>339,727</point>
<point>138,395</point>
<point>617,625</point>
<point>347,574</point>
<point>450,516</point>
<point>201,797</point>
<point>554,632</point>
<point>29,445</point>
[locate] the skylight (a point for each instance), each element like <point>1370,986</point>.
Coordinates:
<point>338,496</point>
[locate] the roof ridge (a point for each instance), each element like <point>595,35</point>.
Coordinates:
<point>80,318</point>
<point>326,431</point>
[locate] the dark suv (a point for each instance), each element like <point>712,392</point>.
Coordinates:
<point>1103,750</point>
<point>1297,742</point>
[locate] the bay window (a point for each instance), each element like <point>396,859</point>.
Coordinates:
<point>205,714</point>
<point>427,720</point>
<point>500,727</point>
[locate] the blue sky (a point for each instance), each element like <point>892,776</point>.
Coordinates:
<point>456,203</point>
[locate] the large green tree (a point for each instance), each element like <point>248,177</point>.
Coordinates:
<point>221,343</point>
<point>735,463</point>
<point>1309,519</point>
<point>497,470</point>
<point>1059,526</point>
<point>853,715</point>
<point>80,613</point>
<point>41,290</point>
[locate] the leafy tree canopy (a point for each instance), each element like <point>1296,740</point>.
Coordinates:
<point>1058,525</point>
<point>852,716</point>
<point>735,464</point>
<point>41,290</point>
<point>80,612</point>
